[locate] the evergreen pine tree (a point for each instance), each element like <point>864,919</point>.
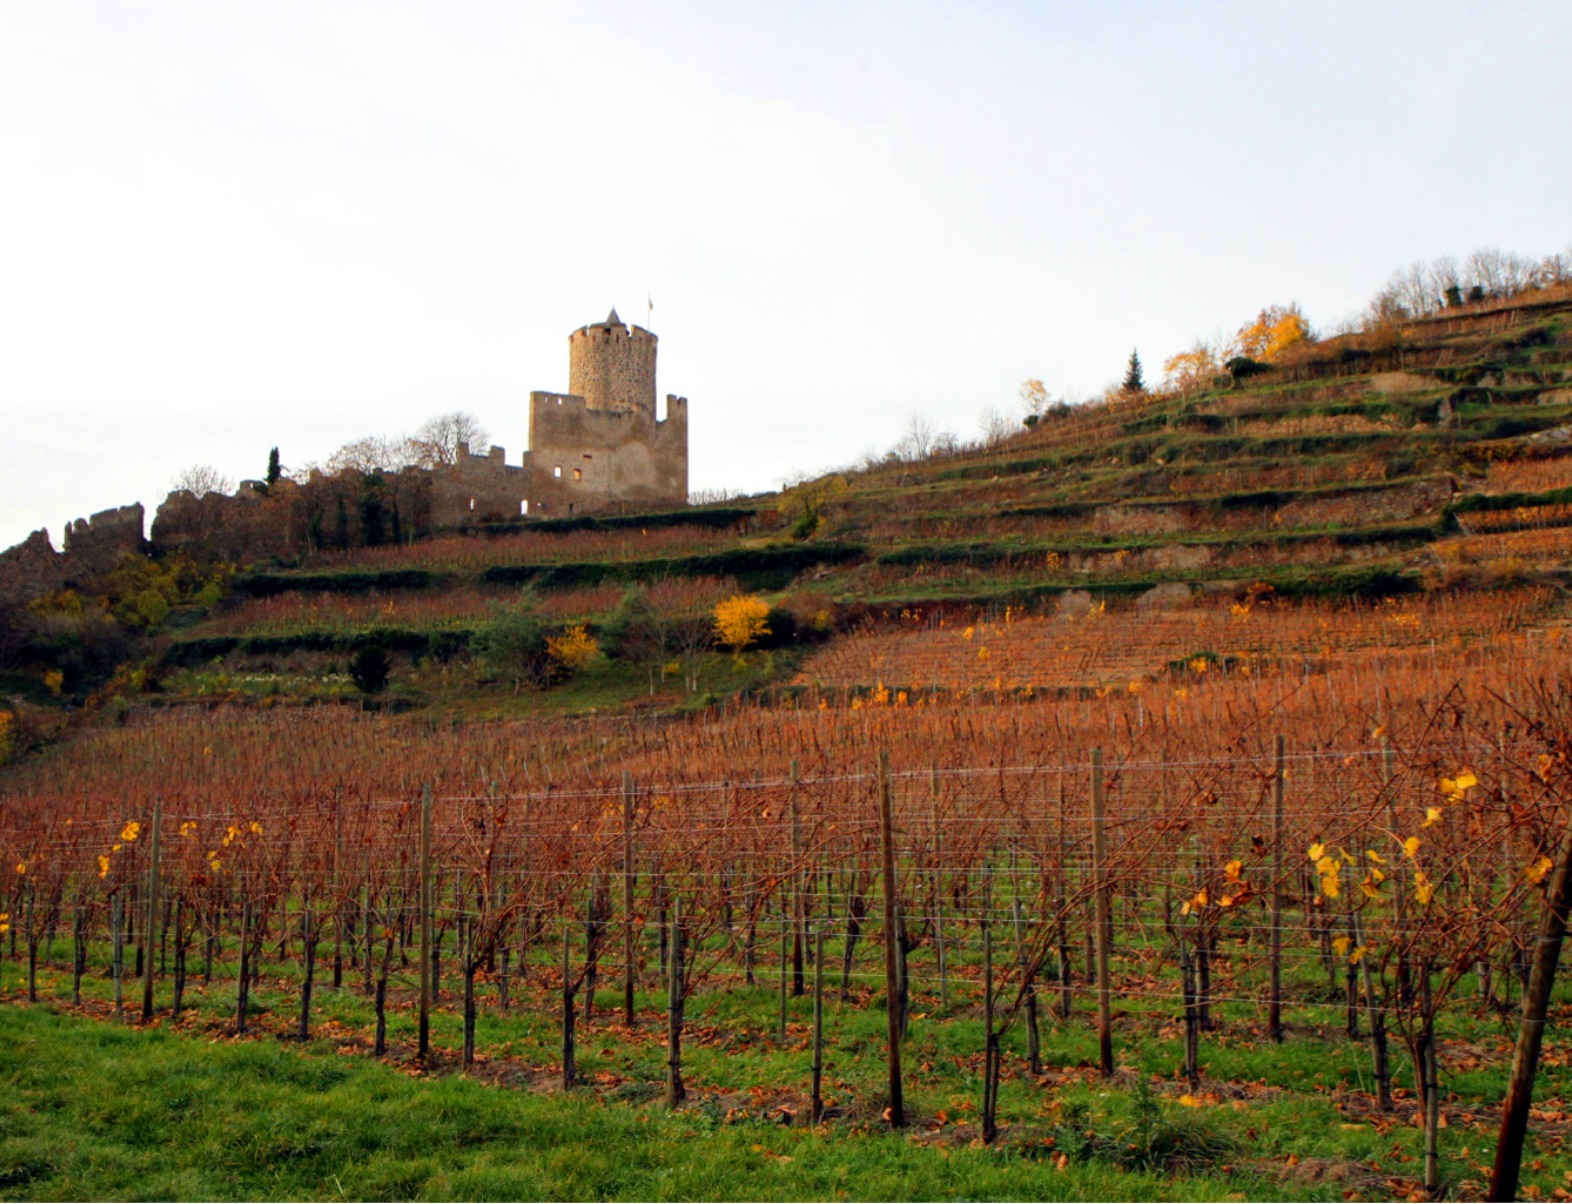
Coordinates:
<point>273,469</point>
<point>1133,382</point>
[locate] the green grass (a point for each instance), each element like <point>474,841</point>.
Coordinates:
<point>94,1110</point>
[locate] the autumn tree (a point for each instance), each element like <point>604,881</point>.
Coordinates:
<point>1275,329</point>
<point>574,649</point>
<point>804,501</point>
<point>741,620</point>
<point>1034,399</point>
<point>1192,369</point>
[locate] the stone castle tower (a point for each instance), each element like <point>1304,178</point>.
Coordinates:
<point>598,447</point>
<point>601,445</point>
<point>612,366</point>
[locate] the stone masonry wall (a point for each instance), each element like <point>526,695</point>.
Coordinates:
<point>613,367</point>
<point>582,460</point>
<point>477,489</point>
<point>92,546</point>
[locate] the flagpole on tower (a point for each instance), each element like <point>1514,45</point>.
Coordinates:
<point>649,311</point>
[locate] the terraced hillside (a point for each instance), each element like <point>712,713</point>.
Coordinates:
<point>1432,457</point>
<point>1155,689</point>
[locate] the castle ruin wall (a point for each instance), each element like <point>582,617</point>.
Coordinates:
<point>582,459</point>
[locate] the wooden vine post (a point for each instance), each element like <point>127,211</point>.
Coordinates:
<point>990,1121</point>
<point>628,958</point>
<point>117,941</point>
<point>675,1091</point>
<point>816,1097</point>
<point>152,911</point>
<point>1105,1060</point>
<point>897,1110</point>
<point>1531,1032</point>
<point>1274,1012</point>
<point>799,914</point>
<point>425,921</point>
<point>786,943</point>
<point>938,893</point>
<point>243,990</point>
<point>338,890</point>
<point>570,1062</point>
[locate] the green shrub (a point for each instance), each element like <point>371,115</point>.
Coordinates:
<point>369,668</point>
<point>512,645</point>
<point>1242,367</point>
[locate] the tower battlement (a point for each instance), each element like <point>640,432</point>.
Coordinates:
<point>611,365</point>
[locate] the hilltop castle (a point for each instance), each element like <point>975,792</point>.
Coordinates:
<point>600,442</point>
<point>596,446</point>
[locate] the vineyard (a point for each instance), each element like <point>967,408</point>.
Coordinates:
<point>1382,873</point>
<point>1165,801</point>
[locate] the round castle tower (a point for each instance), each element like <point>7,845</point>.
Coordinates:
<point>612,366</point>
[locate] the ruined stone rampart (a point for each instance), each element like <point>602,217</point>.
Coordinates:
<point>477,489</point>
<point>90,548</point>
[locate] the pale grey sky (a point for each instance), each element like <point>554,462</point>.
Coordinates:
<point>227,227</point>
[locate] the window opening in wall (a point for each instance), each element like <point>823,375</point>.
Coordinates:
<point>471,503</point>
<point>578,474</point>
<point>556,470</point>
<point>524,506</point>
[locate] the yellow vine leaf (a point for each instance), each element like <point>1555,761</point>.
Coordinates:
<point>1341,944</point>
<point>1537,871</point>
<point>1411,846</point>
<point>1424,889</point>
<point>1432,816</point>
<point>1317,851</point>
<point>1353,958</point>
<point>1375,857</point>
<point>103,866</point>
<point>131,831</point>
<point>1456,789</point>
<point>1232,869</point>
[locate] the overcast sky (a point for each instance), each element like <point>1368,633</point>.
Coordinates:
<point>227,227</point>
